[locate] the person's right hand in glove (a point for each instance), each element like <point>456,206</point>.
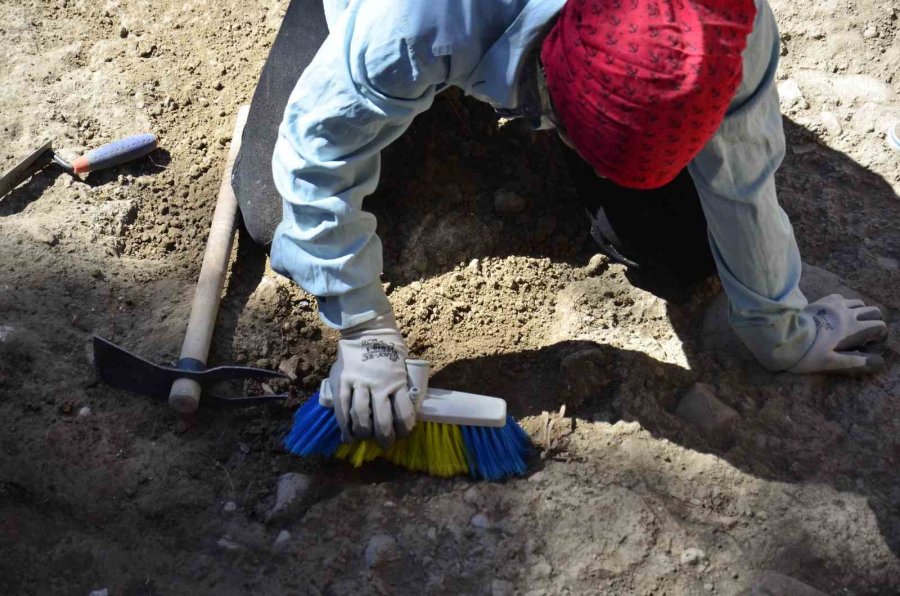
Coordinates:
<point>843,327</point>
<point>368,383</point>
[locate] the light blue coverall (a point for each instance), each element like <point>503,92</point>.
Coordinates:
<point>382,64</point>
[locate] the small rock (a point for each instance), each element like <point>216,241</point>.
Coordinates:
<point>790,94</point>
<point>380,549</point>
<point>509,203</point>
<point>597,265</point>
<point>541,569</point>
<point>480,520</point>
<point>230,507</point>
<point>771,583</point>
<point>537,476</point>
<point>282,541</point>
<point>219,86</point>
<point>123,32</point>
<point>692,556</point>
<point>226,543</point>
<point>707,587</point>
<point>870,33</point>
<point>84,412</point>
<point>289,367</point>
<point>100,592</point>
<point>701,409</point>
<point>146,49</point>
<point>888,263</point>
<point>500,587</point>
<point>291,489</point>
<point>432,533</point>
<point>474,265</point>
<point>831,123</point>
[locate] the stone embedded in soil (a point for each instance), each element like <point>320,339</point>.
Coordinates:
<point>84,412</point>
<point>381,549</point>
<point>771,583</point>
<point>541,569</point>
<point>282,541</point>
<point>509,203</point>
<point>702,409</point>
<point>790,94</point>
<point>692,556</point>
<point>292,489</point>
<point>598,264</point>
<point>42,235</point>
<point>226,543</point>
<point>100,592</point>
<point>480,520</point>
<point>230,507</point>
<point>831,124</point>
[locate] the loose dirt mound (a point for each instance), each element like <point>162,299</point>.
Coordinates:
<point>490,269</point>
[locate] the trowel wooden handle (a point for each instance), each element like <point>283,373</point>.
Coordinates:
<point>185,394</point>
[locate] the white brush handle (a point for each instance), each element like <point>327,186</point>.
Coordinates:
<point>441,405</point>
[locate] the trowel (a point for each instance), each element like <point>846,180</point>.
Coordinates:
<point>107,156</point>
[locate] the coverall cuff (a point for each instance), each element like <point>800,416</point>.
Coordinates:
<point>354,307</point>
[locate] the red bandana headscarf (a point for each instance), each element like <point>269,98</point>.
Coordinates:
<point>640,86</point>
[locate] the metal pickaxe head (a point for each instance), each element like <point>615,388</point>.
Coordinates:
<point>121,369</point>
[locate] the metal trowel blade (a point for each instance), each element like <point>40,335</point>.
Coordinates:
<point>25,168</point>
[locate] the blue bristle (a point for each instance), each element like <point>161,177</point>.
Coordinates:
<point>496,453</point>
<point>315,430</point>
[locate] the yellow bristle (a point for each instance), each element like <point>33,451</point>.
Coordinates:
<point>436,449</point>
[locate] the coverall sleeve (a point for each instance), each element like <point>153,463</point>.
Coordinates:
<point>751,237</point>
<point>359,94</point>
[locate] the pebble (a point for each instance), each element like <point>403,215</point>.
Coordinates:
<point>541,569</point>
<point>475,265</point>
<point>123,32</point>
<point>292,488</point>
<point>710,417</point>
<point>708,587</point>
<point>282,541</point>
<point>230,507</point>
<point>380,549</point>
<point>509,203</point>
<point>831,123</point>
<point>84,412</point>
<point>228,544</point>
<point>692,556</point>
<point>100,592</point>
<point>537,476</point>
<point>870,33</point>
<point>289,367</point>
<point>790,94</point>
<point>598,264</point>
<point>480,520</point>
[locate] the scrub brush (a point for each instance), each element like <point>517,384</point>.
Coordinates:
<point>455,433</point>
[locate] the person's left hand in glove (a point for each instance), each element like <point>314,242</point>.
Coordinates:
<point>843,327</point>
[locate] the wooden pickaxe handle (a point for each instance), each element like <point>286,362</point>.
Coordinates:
<point>185,394</point>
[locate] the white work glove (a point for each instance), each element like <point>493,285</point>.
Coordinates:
<point>843,326</point>
<point>368,383</point>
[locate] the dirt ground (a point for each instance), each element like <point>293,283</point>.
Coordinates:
<point>628,499</point>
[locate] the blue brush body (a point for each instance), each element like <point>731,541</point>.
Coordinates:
<point>491,453</point>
